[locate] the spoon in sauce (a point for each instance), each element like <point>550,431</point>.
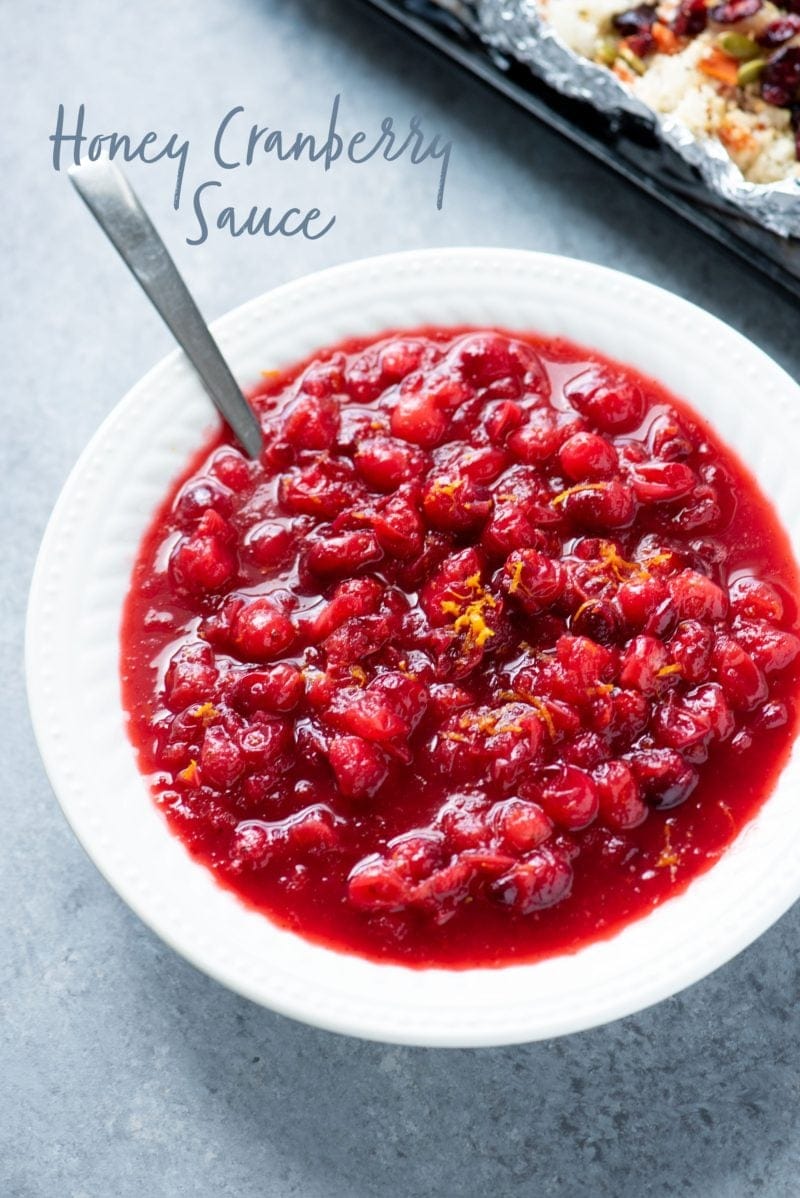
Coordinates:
<point>117,209</point>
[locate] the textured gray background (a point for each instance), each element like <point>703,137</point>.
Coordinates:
<point>122,1070</point>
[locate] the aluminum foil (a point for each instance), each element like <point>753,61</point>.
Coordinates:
<point>515,28</point>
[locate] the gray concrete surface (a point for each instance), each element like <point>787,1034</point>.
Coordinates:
<point>123,1071</point>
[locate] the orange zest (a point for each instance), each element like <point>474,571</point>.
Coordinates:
<point>189,775</point>
<point>564,495</point>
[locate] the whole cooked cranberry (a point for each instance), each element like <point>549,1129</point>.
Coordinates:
<point>638,599</point>
<point>279,688</point>
<point>587,456</point>
<point>269,543</point>
<point>191,676</point>
<point>312,422</point>
<point>619,794</point>
<point>402,356</point>
<point>455,504</point>
<point>484,358</point>
<point>221,762</point>
<point>681,724</point>
<point>770,648</point>
<point>613,403</point>
<point>408,697</point>
<point>353,597</point>
<point>710,700</point>
<point>537,440</point>
<point>696,597</point>
<point>264,744</point>
<point>231,468</point>
<point>773,714</point>
<point>507,529</point>
<point>520,825</point>
<point>691,18</point>
<point>642,663</point>
<point>416,418</point>
<point>360,767</point>
<point>780,79</point>
<point>371,714</point>
<point>662,482</point>
<point>503,418</point>
<point>756,600</point>
<point>568,795</point>
<point>384,462</point>
<point>358,638</point>
<point>779,31</point>
<point>628,715</point>
<point>322,490</point>
<point>741,679</point>
<point>541,880</point>
<point>260,632</point>
<point>199,496</point>
<point>691,649</point>
<point>464,821</point>
<point>663,775</point>
<point>398,526</point>
<point>598,620</point>
<point>345,554</point>
<point>533,580</point>
<point>585,662</point>
<point>602,505</point>
<point>205,562</point>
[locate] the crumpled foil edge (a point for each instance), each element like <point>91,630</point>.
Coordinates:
<point>515,28</point>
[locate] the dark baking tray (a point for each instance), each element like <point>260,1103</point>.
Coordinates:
<point>623,144</point>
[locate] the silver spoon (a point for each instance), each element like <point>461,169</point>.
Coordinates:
<point>116,208</point>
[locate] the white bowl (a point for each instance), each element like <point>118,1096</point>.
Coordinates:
<point>82,576</point>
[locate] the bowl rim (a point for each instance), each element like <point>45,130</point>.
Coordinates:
<point>429,1026</point>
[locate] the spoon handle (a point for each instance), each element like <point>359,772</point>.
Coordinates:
<point>116,208</point>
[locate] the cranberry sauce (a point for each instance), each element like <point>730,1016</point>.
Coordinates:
<point>494,649</point>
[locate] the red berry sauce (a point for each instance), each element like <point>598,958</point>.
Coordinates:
<point>494,650</point>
